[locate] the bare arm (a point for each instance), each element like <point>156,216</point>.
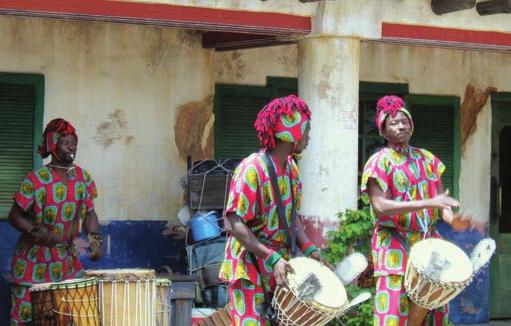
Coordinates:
<point>18,220</point>
<point>240,231</point>
<point>91,222</point>
<point>91,225</point>
<point>39,234</point>
<point>383,206</point>
<point>245,236</point>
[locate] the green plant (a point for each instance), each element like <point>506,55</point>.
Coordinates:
<point>353,234</point>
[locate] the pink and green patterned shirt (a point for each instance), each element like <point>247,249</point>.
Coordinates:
<point>251,198</point>
<point>60,206</point>
<point>405,174</point>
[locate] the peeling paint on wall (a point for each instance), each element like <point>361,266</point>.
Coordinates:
<point>189,38</point>
<point>193,129</point>
<point>473,103</point>
<point>232,65</point>
<point>316,228</point>
<point>113,129</point>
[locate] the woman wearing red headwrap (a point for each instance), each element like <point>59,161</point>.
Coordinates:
<point>407,198</point>
<point>257,249</point>
<point>48,208</point>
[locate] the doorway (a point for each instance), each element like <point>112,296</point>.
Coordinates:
<point>500,215</point>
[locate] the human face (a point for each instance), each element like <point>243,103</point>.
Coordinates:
<point>301,145</point>
<point>398,129</point>
<point>65,151</point>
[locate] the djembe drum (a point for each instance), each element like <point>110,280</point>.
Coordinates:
<point>127,296</point>
<point>314,295</point>
<point>72,302</point>
<point>437,271</point>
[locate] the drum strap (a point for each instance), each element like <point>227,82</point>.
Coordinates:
<point>291,240</point>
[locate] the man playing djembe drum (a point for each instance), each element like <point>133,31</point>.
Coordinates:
<point>48,209</point>
<point>257,249</point>
<point>407,197</point>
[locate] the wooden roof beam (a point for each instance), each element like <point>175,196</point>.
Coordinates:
<point>494,7</point>
<point>441,7</point>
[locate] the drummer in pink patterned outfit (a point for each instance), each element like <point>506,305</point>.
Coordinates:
<point>48,209</point>
<point>256,253</point>
<point>407,198</point>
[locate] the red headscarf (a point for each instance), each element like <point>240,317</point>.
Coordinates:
<point>390,104</point>
<point>285,118</point>
<point>55,129</point>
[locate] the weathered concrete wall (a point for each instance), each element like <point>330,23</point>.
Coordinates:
<point>121,86</point>
<point>246,66</point>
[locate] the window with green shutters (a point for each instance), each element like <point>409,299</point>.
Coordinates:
<point>21,110</point>
<point>436,121</point>
<point>236,108</point>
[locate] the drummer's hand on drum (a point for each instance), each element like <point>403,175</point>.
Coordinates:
<point>280,270</point>
<point>95,247</point>
<point>316,255</point>
<point>43,237</point>
<point>443,201</point>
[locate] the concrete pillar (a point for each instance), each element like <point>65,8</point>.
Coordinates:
<point>328,79</point>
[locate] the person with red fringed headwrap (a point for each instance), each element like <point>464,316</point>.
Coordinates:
<point>407,199</point>
<point>48,209</point>
<point>257,249</point>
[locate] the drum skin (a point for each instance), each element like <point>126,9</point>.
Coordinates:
<point>326,303</point>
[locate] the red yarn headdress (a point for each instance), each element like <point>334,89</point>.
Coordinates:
<point>284,118</point>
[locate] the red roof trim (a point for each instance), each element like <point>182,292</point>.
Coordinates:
<point>161,14</point>
<point>428,34</point>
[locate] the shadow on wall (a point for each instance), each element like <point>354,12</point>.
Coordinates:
<point>127,244</point>
<point>472,305</point>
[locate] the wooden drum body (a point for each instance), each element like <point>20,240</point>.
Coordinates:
<point>127,296</point>
<point>314,297</point>
<point>72,302</point>
<point>163,303</point>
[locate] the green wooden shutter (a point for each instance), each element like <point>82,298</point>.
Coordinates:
<point>21,115</point>
<point>436,120</point>
<point>17,104</point>
<point>236,108</point>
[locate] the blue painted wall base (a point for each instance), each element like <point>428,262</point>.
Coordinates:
<point>471,305</point>
<point>132,244</point>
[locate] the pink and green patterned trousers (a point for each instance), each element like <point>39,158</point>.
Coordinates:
<point>391,304</point>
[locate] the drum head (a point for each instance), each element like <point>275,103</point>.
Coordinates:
<point>441,261</point>
<point>74,283</point>
<point>482,253</point>
<point>351,267</point>
<point>122,274</point>
<point>330,294</point>
<point>40,287</point>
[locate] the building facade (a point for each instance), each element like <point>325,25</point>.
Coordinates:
<point>148,83</point>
